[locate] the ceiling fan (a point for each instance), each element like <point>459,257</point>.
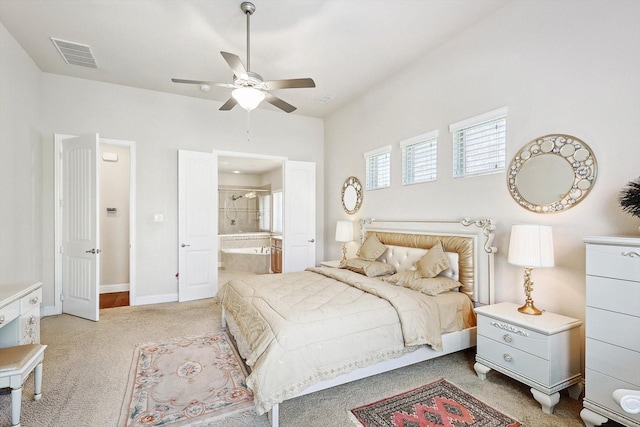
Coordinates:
<point>249,87</point>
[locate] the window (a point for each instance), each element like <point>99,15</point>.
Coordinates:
<point>378,168</point>
<point>479,144</point>
<point>276,227</point>
<point>420,158</point>
<point>264,212</point>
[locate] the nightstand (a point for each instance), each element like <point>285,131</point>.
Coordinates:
<point>541,351</point>
<point>332,264</point>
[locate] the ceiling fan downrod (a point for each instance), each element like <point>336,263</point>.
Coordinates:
<point>248,8</point>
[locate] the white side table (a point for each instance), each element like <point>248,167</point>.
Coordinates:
<point>332,264</point>
<point>540,351</point>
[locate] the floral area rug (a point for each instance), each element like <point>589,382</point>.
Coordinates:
<point>437,404</point>
<point>189,381</point>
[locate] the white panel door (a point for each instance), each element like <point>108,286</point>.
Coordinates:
<point>80,234</point>
<point>197,225</point>
<point>299,216</point>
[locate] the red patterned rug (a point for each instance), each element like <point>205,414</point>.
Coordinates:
<point>439,404</point>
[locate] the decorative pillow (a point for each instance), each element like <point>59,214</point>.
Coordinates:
<point>368,268</point>
<point>433,262</point>
<point>412,279</point>
<point>371,249</point>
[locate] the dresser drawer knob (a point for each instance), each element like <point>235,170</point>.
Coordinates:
<point>631,254</point>
<point>33,300</point>
<point>507,357</point>
<point>2,319</point>
<point>507,338</point>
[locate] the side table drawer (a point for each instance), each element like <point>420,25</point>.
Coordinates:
<point>31,300</point>
<point>9,313</point>
<point>514,336</point>
<point>514,360</point>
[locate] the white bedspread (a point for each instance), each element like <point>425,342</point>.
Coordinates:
<point>309,326</point>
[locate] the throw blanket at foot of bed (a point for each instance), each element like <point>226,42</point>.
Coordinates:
<point>301,328</point>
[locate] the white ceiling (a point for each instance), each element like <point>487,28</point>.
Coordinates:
<point>346,46</point>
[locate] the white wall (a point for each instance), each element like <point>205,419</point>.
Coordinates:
<point>560,67</point>
<point>160,124</point>
<point>20,164</point>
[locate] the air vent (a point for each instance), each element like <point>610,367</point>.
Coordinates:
<point>75,53</point>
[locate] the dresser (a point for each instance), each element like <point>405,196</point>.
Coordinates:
<point>542,351</point>
<point>20,314</point>
<point>276,254</point>
<point>612,363</point>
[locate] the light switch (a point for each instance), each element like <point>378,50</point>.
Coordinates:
<point>158,218</point>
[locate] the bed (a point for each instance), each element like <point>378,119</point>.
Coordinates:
<point>392,306</point>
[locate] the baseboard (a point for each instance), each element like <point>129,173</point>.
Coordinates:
<point>117,287</point>
<point>155,299</point>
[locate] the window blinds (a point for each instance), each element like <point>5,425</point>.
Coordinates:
<point>420,158</point>
<point>378,168</point>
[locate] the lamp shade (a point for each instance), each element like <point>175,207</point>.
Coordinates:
<point>344,231</point>
<point>531,246</point>
<point>248,97</point>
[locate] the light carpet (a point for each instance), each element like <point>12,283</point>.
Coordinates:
<point>87,365</point>
<point>433,405</point>
<point>187,381</point>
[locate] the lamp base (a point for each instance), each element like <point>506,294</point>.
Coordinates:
<point>529,308</point>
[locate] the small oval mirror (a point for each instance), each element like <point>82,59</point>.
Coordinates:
<point>351,195</point>
<point>551,173</point>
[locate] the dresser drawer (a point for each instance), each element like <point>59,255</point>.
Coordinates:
<point>618,329</point>
<point>614,295</point>
<point>614,261</point>
<point>9,312</point>
<point>614,361</point>
<point>31,300</point>
<point>514,336</point>
<point>599,389</point>
<point>514,360</point>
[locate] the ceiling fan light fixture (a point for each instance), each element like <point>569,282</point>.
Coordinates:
<point>248,97</point>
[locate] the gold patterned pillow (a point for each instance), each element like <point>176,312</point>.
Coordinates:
<point>427,285</point>
<point>433,262</point>
<point>368,268</point>
<point>371,249</point>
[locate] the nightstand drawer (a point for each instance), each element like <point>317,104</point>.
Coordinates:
<point>614,361</point>
<point>513,359</point>
<point>599,389</point>
<point>613,261</point>
<point>619,329</point>
<point>514,336</point>
<point>604,292</point>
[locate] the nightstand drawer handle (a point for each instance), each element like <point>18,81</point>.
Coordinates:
<point>507,338</point>
<point>507,357</point>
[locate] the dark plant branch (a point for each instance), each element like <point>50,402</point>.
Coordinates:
<point>629,198</point>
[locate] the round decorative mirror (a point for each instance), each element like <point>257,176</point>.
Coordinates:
<point>351,195</point>
<point>552,173</point>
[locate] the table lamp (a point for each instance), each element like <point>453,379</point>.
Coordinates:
<point>344,234</point>
<point>530,246</point>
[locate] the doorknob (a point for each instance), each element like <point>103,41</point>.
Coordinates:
<point>311,241</point>
<point>183,245</point>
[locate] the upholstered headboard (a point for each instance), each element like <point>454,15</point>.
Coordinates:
<point>466,243</point>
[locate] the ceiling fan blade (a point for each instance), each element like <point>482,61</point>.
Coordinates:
<point>284,106</point>
<point>290,83</point>
<point>236,65</point>
<point>199,82</point>
<point>231,102</point>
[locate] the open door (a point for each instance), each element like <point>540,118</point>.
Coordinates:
<point>80,235</point>
<point>197,225</point>
<point>299,216</point>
